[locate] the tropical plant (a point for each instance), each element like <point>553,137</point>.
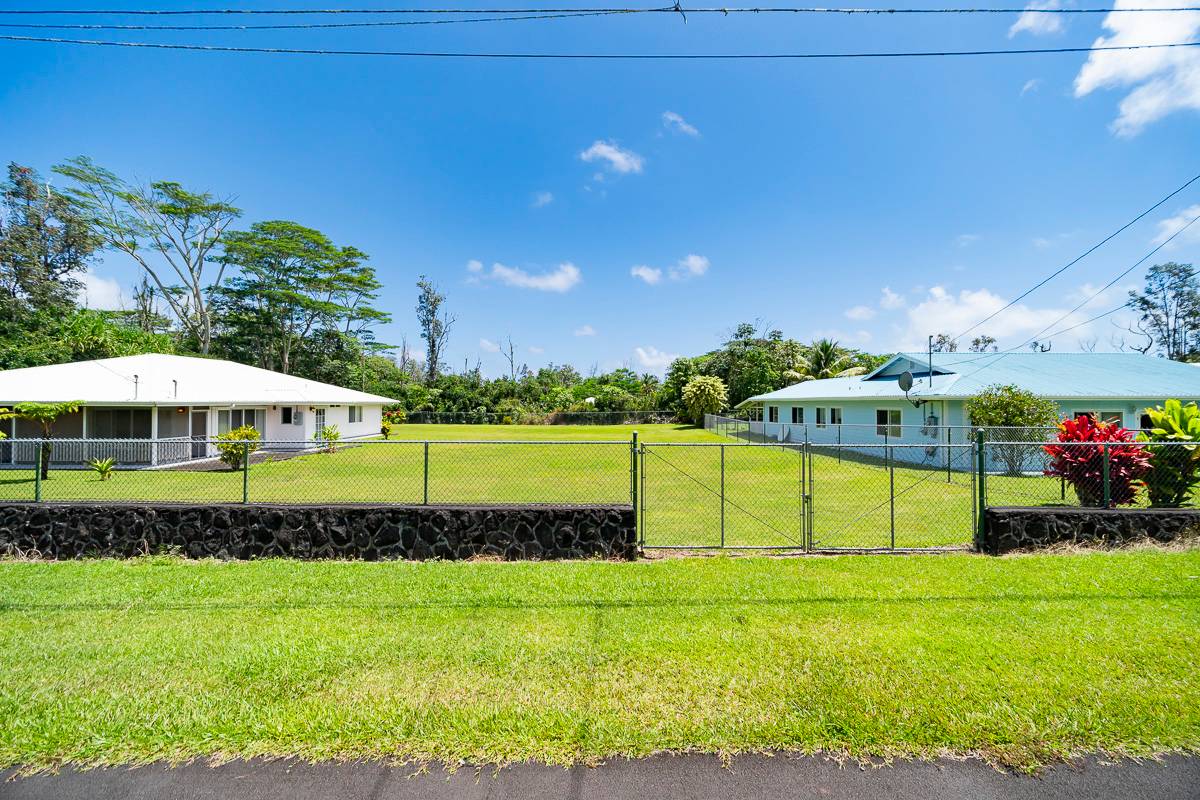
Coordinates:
<point>1009,411</point>
<point>235,446</point>
<point>1079,460</point>
<point>385,430</point>
<point>328,438</point>
<point>702,395</point>
<point>824,358</point>
<point>44,416</point>
<point>1173,442</point>
<point>103,467</point>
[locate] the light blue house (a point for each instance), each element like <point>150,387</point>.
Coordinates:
<point>873,409</point>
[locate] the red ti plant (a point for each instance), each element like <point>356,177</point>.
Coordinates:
<point>1082,465</point>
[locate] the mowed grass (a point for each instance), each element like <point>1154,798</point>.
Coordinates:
<point>682,486</point>
<point>1021,659</point>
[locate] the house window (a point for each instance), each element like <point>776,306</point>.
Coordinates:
<point>887,422</point>
<point>820,418</point>
<point>1102,416</point>
<point>772,413</point>
<point>230,418</point>
<point>119,423</point>
<point>835,416</point>
<point>285,415</point>
<point>355,413</point>
<point>797,415</point>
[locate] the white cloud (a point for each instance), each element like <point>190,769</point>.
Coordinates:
<point>585,330</point>
<point>488,346</point>
<point>613,156</point>
<point>537,351</point>
<point>1031,85</point>
<point>653,359</point>
<point>966,239</point>
<point>105,294</point>
<point>1173,225</point>
<point>562,279</point>
<point>650,275</point>
<point>1038,24</point>
<point>674,122</point>
<point>475,265</point>
<point>542,199</point>
<point>943,311</point>
<point>1164,80</point>
<point>860,313</point>
<point>690,266</point>
<point>890,300</point>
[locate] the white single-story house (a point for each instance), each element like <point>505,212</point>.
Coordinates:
<point>180,403</point>
<point>874,409</point>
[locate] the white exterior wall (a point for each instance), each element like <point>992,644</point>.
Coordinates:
<point>372,419</point>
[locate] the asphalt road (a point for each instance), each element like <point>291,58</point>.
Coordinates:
<point>692,777</point>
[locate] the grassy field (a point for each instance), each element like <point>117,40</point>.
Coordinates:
<point>683,502</point>
<point>1021,659</point>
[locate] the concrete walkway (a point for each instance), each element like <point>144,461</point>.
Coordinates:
<point>662,778</point>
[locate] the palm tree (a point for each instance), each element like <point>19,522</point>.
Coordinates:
<point>824,358</point>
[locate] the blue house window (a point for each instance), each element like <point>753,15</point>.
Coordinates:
<point>797,415</point>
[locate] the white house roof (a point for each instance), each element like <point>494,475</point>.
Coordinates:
<point>158,379</point>
<point>1053,375</point>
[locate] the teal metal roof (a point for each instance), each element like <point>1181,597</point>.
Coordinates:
<point>1054,375</point>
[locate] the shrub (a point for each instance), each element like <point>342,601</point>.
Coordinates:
<point>704,394</point>
<point>1082,465</point>
<point>103,467</point>
<point>385,429</point>
<point>1008,409</point>
<point>237,444</point>
<point>328,438</point>
<point>397,416</point>
<point>1173,441</point>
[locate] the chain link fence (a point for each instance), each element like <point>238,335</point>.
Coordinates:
<point>304,473</point>
<point>540,418</point>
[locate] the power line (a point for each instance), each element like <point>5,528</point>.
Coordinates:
<point>301,26</point>
<point>1076,260</point>
<point>995,357</point>
<point>672,9</point>
<point>597,56</point>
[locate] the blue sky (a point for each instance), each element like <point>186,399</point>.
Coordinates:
<point>609,212</point>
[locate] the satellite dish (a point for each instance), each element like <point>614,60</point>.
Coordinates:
<point>905,381</point>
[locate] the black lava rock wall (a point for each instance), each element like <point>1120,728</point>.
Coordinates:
<point>77,530</point>
<point>1008,529</point>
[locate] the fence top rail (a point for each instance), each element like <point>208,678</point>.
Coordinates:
<point>317,442</point>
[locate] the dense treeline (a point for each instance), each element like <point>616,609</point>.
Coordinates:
<point>283,296</point>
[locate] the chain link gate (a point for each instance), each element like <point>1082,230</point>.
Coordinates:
<point>806,497</point>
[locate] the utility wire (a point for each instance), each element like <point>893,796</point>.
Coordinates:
<point>672,9</point>
<point>300,26</point>
<point>599,56</point>
<point>1076,260</point>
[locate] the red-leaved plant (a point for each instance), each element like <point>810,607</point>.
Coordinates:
<point>1082,465</point>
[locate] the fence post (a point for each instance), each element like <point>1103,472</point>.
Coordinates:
<point>891,494</point>
<point>246,472</point>
<point>425,494</point>
<point>37,472</point>
<point>722,496</point>
<point>949,452</point>
<point>980,478</point>
<point>633,471</point>
<point>1107,482</point>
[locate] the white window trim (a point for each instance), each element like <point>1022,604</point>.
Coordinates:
<point>893,430</point>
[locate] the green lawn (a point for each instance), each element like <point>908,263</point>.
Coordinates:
<point>682,484</point>
<point>1022,659</point>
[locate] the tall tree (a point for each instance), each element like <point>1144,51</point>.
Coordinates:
<point>291,281</point>
<point>1169,308</point>
<point>160,221</point>
<point>983,344</point>
<point>945,343</point>
<point>435,326</point>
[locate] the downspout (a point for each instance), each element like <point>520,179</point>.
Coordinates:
<point>135,387</point>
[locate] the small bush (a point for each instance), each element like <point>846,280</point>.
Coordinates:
<point>1082,465</point>
<point>385,429</point>
<point>103,467</point>
<point>236,445</point>
<point>1173,442</point>
<point>328,438</point>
